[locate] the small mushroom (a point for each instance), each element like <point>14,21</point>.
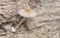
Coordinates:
<point>26,13</point>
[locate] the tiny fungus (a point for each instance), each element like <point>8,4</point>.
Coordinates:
<point>25,12</point>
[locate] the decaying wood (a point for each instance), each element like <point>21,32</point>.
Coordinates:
<point>45,25</point>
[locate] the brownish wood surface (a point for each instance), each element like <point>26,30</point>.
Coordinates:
<point>45,25</point>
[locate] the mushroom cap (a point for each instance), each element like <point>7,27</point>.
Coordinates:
<point>27,13</point>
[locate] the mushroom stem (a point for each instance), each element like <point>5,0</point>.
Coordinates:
<point>20,23</point>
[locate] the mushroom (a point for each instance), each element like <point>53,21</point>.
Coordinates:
<point>25,12</point>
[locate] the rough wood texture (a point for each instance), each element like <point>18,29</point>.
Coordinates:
<point>45,25</point>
